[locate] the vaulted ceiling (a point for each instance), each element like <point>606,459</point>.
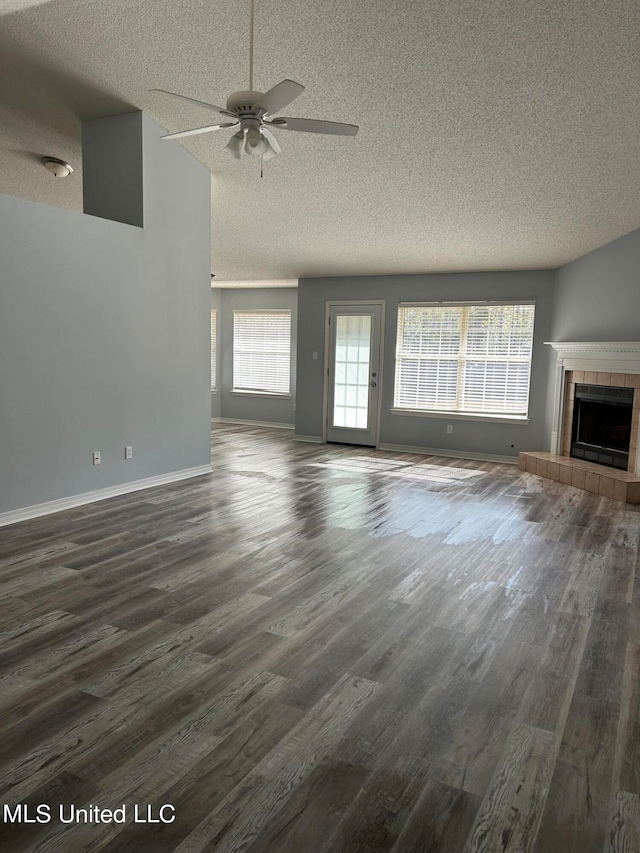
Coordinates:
<point>494,134</point>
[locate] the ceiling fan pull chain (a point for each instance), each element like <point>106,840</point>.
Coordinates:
<point>261,161</point>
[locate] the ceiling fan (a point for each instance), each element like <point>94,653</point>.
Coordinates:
<point>252,112</point>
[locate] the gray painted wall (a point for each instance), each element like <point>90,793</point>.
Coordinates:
<point>104,336</point>
<point>254,407</point>
<point>480,437</point>
<point>598,295</point>
<point>112,168</point>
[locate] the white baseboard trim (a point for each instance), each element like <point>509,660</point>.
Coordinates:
<point>454,454</point>
<point>37,510</point>
<point>252,423</point>
<point>312,439</point>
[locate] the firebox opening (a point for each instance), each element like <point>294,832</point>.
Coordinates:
<point>601,430</point>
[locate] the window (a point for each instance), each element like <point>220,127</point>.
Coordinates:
<point>262,351</point>
<point>351,382</point>
<point>213,349</point>
<point>473,359</point>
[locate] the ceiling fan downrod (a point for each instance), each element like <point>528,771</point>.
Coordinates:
<point>251,14</point>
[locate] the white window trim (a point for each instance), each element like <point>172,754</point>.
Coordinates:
<point>463,416</point>
<point>259,392</point>
<point>214,359</point>
<point>248,393</point>
<point>466,303</point>
<point>459,414</point>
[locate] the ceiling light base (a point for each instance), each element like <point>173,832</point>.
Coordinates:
<point>58,168</point>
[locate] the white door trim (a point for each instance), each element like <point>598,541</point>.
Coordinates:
<point>346,303</point>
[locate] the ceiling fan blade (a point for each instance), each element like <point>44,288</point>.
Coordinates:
<point>197,130</point>
<point>220,110</point>
<point>279,96</point>
<point>311,125</point>
<point>273,142</point>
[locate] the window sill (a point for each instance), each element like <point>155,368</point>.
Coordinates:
<point>272,394</point>
<point>459,416</point>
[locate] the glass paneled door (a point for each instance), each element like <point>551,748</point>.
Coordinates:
<point>354,374</point>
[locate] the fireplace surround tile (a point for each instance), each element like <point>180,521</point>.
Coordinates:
<point>541,467</point>
<point>633,493</point>
<point>616,380</point>
<point>592,482</point>
<point>553,470</point>
<point>566,475</point>
<point>620,490</point>
<point>606,487</point>
<point>577,478</point>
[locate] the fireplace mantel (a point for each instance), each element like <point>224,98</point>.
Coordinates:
<point>619,359</point>
<point>612,356</point>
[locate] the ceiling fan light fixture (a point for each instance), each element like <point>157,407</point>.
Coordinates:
<point>255,143</point>
<point>235,146</point>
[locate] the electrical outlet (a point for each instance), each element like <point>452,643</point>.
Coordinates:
<point>96,457</point>
<point>449,429</point>
<point>315,355</point>
<point>294,407</point>
<point>128,452</point>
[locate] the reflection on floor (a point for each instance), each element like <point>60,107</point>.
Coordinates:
<point>407,470</point>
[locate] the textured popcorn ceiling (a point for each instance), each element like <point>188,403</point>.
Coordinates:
<point>493,135</point>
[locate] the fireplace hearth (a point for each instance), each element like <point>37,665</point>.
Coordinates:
<point>601,427</point>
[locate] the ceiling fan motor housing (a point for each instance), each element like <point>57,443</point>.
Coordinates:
<point>242,104</point>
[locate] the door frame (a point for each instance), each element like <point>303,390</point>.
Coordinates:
<point>350,303</point>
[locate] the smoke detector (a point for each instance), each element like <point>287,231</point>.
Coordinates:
<point>58,168</point>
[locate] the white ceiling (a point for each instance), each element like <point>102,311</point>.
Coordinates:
<point>494,134</point>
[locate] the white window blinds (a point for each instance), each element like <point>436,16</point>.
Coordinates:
<point>213,349</point>
<point>464,358</point>
<point>262,351</point>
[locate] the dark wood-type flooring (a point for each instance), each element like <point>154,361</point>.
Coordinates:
<point>324,648</point>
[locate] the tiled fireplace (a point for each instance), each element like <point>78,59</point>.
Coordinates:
<point>602,379</point>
